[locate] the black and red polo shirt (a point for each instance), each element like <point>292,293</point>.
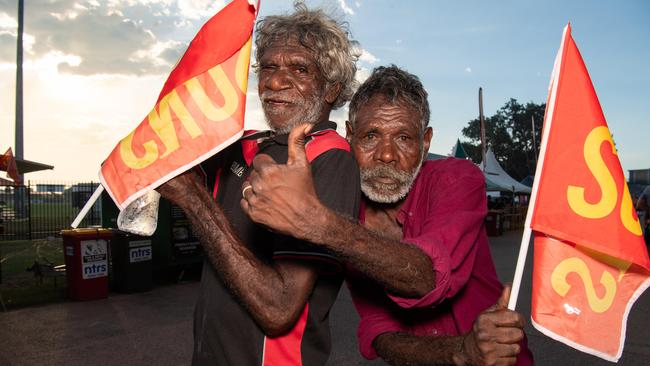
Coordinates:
<point>224,333</point>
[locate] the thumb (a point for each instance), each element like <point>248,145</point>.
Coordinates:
<point>296,144</point>
<point>502,303</point>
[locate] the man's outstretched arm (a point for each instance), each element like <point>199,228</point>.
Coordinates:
<point>283,198</point>
<point>274,294</point>
<point>493,340</point>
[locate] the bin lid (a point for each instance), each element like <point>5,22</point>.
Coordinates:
<point>87,231</point>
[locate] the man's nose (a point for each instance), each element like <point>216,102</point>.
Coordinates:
<point>277,80</point>
<point>385,151</point>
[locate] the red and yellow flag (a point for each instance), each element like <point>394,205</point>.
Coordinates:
<point>591,262</point>
<point>199,112</point>
<point>8,164</point>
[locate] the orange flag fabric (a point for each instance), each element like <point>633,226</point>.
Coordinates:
<point>199,111</point>
<point>591,262</point>
<point>8,164</point>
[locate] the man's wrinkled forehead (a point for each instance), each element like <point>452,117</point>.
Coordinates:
<point>378,100</point>
<point>286,41</point>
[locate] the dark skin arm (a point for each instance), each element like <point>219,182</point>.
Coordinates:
<point>493,340</point>
<point>283,198</point>
<point>273,293</point>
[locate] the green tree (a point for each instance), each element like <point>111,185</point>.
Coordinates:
<point>508,133</point>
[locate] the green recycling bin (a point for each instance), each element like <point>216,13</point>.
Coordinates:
<point>131,257</point>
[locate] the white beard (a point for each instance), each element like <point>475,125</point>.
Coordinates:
<point>388,193</point>
<point>310,112</point>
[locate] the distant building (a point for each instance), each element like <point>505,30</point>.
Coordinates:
<point>81,192</point>
<point>639,179</point>
<point>50,188</point>
<point>640,176</point>
<point>433,156</point>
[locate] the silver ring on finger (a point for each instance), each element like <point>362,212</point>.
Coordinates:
<point>243,192</point>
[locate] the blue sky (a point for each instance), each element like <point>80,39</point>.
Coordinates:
<point>93,69</point>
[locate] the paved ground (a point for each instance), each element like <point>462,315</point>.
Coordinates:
<point>154,328</point>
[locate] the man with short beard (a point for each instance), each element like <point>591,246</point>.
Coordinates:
<point>420,270</point>
<point>265,297</point>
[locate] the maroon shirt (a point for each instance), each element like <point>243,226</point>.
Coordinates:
<point>443,215</point>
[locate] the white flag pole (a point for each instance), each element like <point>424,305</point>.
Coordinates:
<point>87,206</point>
<point>548,119</point>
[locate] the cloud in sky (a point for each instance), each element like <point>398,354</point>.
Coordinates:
<point>368,57</point>
<point>198,9</point>
<point>128,37</point>
<point>347,9</point>
<point>94,68</point>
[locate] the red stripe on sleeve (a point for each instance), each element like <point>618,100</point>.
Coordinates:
<point>216,183</point>
<point>285,350</point>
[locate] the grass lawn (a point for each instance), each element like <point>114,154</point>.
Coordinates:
<point>46,210</point>
<point>20,287</point>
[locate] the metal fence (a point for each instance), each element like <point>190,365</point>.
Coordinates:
<point>42,209</point>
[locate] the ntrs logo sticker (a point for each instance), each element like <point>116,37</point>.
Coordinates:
<point>139,251</point>
<point>94,259</point>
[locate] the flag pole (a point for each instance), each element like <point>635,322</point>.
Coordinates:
<point>548,119</point>
<point>87,206</point>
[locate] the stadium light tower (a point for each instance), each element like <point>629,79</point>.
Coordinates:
<point>19,83</point>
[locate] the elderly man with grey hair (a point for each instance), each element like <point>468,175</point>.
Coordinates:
<point>419,265</point>
<point>264,297</point>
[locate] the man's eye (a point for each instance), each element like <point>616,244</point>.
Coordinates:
<point>301,70</point>
<point>404,138</point>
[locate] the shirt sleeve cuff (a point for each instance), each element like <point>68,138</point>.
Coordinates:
<point>369,329</point>
<point>442,270</point>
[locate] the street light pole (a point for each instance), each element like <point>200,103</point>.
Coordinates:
<point>532,129</point>
<point>19,191</point>
<point>482,122</point>
<point>19,83</point>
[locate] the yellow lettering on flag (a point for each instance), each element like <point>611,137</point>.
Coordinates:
<point>597,167</point>
<point>133,161</point>
<point>590,261</point>
<point>203,101</point>
<point>583,295</point>
<point>199,112</point>
<point>628,218</point>
<point>241,69</point>
<point>578,266</point>
<point>163,124</point>
<point>605,180</point>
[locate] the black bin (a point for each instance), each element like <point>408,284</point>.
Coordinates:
<point>493,223</point>
<point>132,269</point>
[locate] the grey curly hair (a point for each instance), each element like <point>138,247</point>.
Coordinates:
<point>395,85</point>
<point>329,40</point>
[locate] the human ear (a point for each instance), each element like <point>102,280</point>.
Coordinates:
<point>348,131</point>
<point>426,139</point>
<point>332,92</point>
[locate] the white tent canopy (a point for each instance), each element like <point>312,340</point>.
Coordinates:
<point>497,179</point>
